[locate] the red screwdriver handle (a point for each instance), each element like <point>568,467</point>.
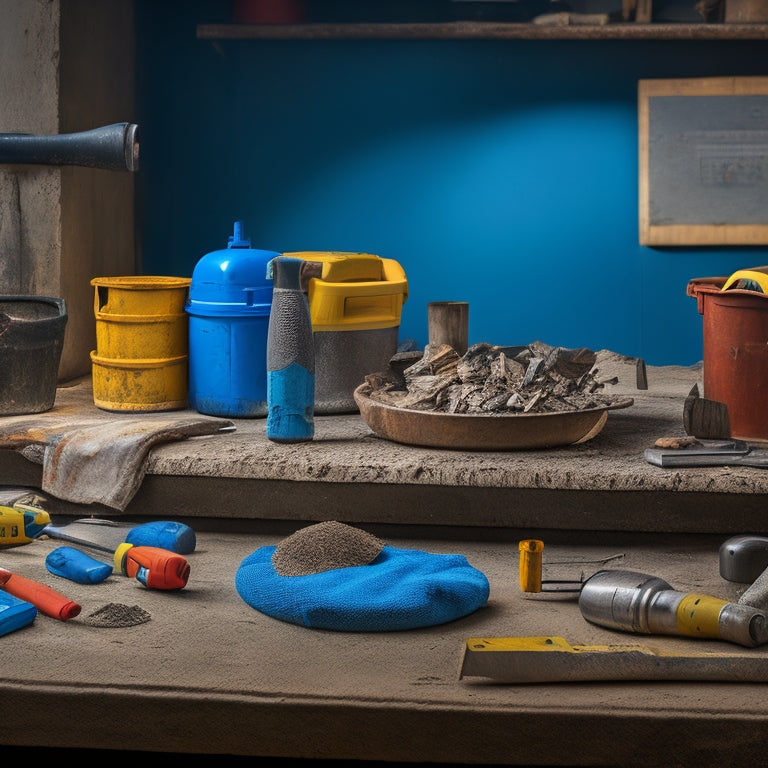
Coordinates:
<point>47,600</point>
<point>154,567</point>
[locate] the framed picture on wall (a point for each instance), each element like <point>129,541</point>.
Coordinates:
<point>703,161</point>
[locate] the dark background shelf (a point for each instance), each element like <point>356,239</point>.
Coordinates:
<point>468,30</point>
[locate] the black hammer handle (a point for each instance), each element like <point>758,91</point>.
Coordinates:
<point>113,148</point>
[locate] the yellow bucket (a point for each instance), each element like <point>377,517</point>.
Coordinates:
<point>142,343</point>
<point>140,385</point>
<point>140,295</point>
<point>146,336</point>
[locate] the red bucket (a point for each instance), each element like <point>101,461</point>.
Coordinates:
<point>735,324</point>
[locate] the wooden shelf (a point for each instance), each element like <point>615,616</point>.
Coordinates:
<point>470,30</point>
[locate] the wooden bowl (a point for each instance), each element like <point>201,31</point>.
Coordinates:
<point>482,432</point>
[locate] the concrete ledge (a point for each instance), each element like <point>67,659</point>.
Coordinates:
<point>348,473</point>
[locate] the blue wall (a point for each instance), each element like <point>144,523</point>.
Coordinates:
<point>502,173</point>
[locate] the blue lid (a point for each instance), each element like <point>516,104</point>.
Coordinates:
<point>232,281</point>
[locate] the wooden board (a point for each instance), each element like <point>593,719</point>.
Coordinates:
<point>703,161</point>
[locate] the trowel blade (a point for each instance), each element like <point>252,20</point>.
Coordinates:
<point>730,447</point>
<point>668,459</point>
<point>710,453</point>
<point>104,535</point>
<point>554,660</point>
<point>108,535</point>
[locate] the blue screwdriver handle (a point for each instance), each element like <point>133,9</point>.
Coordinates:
<point>164,534</point>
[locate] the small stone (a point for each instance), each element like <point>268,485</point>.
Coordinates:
<point>676,442</point>
<point>117,615</point>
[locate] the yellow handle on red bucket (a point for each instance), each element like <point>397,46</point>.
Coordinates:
<point>752,279</point>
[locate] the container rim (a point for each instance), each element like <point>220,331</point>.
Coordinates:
<point>143,282</point>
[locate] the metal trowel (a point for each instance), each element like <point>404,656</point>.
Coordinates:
<point>718,453</point>
<point>23,518</point>
<point>107,535</point>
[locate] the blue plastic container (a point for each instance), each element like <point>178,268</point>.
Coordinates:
<point>230,299</point>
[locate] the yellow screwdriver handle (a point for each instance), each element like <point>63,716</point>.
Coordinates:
<point>21,524</point>
<point>530,564</point>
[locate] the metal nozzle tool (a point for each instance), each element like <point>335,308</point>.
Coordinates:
<point>641,603</point>
<point>636,602</point>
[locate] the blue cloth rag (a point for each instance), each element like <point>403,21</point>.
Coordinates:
<point>400,589</point>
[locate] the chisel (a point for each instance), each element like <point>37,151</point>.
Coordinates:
<point>531,566</point>
<point>129,547</point>
<point>671,459</point>
<point>551,659</point>
<point>23,519</point>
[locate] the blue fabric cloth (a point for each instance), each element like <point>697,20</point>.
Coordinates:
<point>400,589</point>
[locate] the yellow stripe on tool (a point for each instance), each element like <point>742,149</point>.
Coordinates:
<point>552,659</point>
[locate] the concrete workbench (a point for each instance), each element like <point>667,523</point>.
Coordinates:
<point>208,674</point>
<point>348,473</point>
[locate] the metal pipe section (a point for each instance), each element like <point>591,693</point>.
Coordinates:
<point>112,147</point>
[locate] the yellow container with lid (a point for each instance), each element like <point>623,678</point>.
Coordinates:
<point>141,358</point>
<point>355,303</point>
<point>354,291</point>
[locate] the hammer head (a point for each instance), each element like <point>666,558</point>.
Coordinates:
<point>743,558</point>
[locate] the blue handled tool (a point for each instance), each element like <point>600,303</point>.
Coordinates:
<point>72,564</point>
<point>108,535</point>
<point>23,519</point>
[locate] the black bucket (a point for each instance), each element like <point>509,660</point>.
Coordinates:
<point>31,340</point>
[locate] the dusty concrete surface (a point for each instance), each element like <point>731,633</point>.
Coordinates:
<point>350,474</point>
<point>209,674</point>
